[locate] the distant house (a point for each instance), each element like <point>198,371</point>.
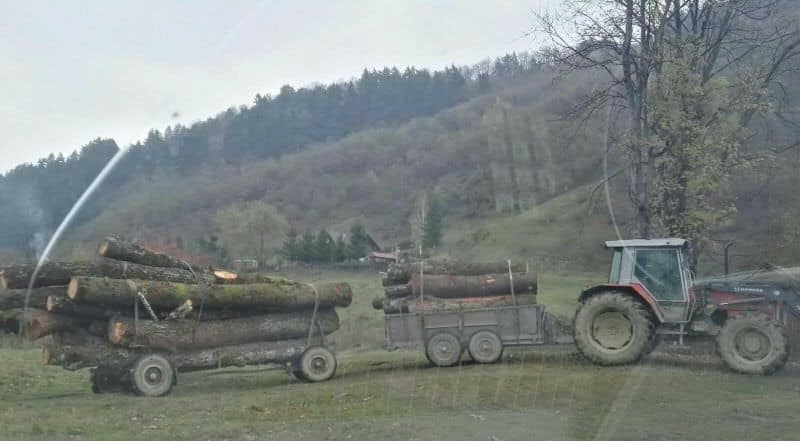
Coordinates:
<point>382,257</point>
<point>245,265</point>
<point>373,244</point>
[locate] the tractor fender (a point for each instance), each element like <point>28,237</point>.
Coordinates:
<point>636,290</point>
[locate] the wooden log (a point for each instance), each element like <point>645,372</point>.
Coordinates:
<point>15,298</point>
<point>36,323</point>
<point>65,306</point>
<point>473,286</point>
<point>401,273</point>
<point>60,273</point>
<point>280,296</point>
<point>10,320</point>
<point>397,306</point>
<point>398,291</point>
<point>130,252</point>
<point>77,350</point>
<point>74,351</point>
<point>239,355</point>
<point>176,335</point>
<point>42,323</point>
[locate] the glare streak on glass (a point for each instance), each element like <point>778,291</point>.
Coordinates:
<point>65,224</point>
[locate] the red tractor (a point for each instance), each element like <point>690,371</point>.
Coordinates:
<point>650,295</point>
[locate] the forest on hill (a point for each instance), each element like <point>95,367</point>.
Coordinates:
<point>526,153</point>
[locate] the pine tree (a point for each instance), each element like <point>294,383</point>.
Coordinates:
<point>340,250</point>
<point>357,247</point>
<point>289,251</point>
<point>306,248</point>
<point>323,247</point>
<point>432,230</point>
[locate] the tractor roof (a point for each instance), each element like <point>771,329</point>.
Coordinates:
<point>641,243</point>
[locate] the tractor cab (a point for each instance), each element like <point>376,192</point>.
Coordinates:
<point>656,270</point>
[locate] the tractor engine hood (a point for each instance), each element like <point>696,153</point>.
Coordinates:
<point>772,286</point>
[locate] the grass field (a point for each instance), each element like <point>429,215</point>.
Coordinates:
<point>545,394</point>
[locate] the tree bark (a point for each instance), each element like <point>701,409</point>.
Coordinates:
<point>63,305</point>
<point>278,296</point>
<point>397,306</point>
<point>42,323</point>
<point>239,355</point>
<point>60,273</point>
<point>487,285</point>
<point>398,291</point>
<point>74,351</point>
<point>15,298</point>
<point>130,252</point>
<point>176,335</point>
<point>77,350</point>
<point>401,273</point>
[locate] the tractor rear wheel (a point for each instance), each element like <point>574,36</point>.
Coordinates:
<point>753,344</point>
<point>612,328</point>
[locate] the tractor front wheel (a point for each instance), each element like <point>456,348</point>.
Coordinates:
<point>753,344</point>
<point>613,328</point>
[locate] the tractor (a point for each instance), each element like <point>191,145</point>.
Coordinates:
<point>651,295</point>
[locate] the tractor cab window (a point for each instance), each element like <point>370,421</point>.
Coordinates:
<point>616,261</point>
<point>660,272</point>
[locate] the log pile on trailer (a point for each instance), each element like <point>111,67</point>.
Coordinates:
<point>448,285</point>
<point>138,306</point>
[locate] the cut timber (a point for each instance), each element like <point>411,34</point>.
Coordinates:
<point>398,291</point>
<point>401,273</point>
<point>473,286</point>
<point>36,323</point>
<point>277,296</point>
<point>130,252</point>
<point>59,273</point>
<point>397,306</point>
<point>239,355</point>
<point>63,305</point>
<point>176,335</point>
<point>78,350</point>
<point>43,323</point>
<point>15,298</point>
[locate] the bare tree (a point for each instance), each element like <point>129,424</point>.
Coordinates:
<point>749,42</point>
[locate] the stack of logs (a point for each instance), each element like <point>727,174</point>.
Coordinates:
<point>134,300</point>
<point>446,285</point>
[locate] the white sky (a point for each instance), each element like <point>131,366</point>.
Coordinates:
<point>73,71</point>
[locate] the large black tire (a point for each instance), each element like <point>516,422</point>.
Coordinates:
<point>613,328</point>
<point>753,344</point>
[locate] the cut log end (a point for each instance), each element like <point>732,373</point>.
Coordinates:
<point>72,288</point>
<point>103,248</point>
<point>50,303</point>
<point>117,331</point>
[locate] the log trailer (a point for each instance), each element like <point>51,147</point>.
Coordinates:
<point>650,296</point>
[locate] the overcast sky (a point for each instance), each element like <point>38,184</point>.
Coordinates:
<point>74,71</point>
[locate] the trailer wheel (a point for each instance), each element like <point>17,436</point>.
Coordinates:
<point>317,364</point>
<point>485,347</point>
<point>443,349</point>
<point>153,376</point>
<point>612,328</point>
<point>753,344</point>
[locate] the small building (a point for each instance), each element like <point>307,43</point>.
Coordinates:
<point>245,265</point>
